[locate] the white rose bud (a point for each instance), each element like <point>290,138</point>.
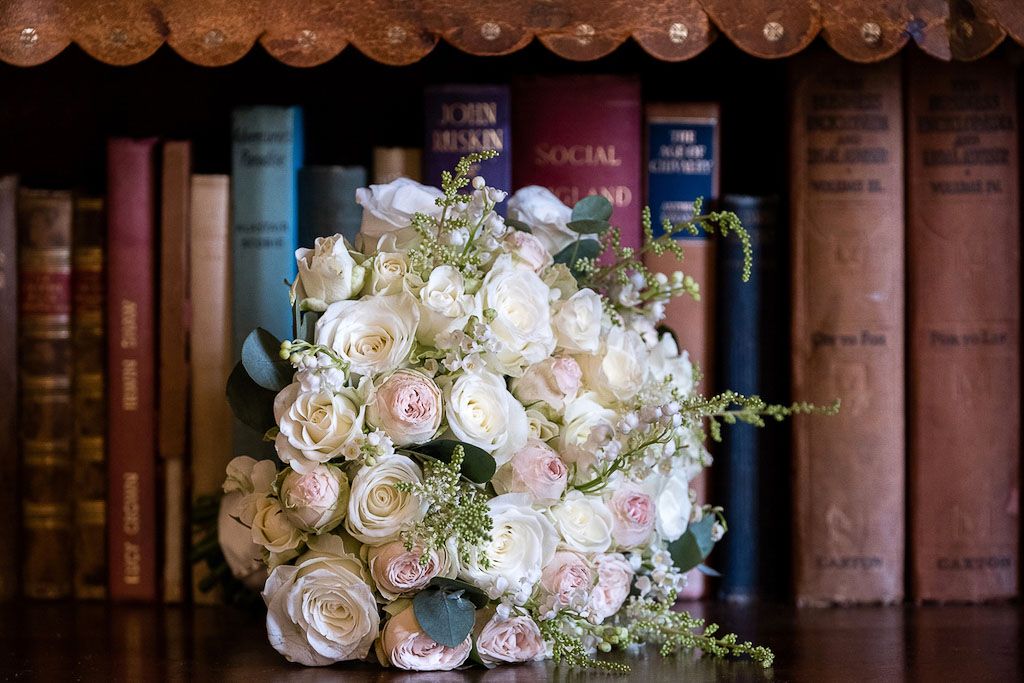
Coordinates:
<point>387,273</point>
<point>272,529</point>
<point>390,207</point>
<point>584,522</point>
<point>672,504</point>
<point>546,215</point>
<point>315,502</point>
<point>617,372</point>
<point>482,412</point>
<point>327,273</point>
<point>444,304</point>
<point>243,557</point>
<point>583,415</point>
<point>522,322</point>
<point>577,322</point>
<point>407,647</point>
<point>374,335</point>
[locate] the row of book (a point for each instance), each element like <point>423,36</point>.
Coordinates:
<point>876,176</point>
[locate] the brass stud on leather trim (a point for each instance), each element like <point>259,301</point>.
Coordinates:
<point>29,36</point>
<point>213,38</point>
<point>773,31</point>
<point>585,34</point>
<point>678,32</point>
<point>490,30</point>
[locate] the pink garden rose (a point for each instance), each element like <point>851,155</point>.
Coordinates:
<point>632,517</point>
<point>528,250</point>
<point>398,571</point>
<point>568,578</point>
<point>510,639</point>
<point>552,382</point>
<point>406,646</point>
<point>534,469</point>
<point>407,406</point>
<point>614,579</point>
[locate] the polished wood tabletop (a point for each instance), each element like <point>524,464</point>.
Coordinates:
<point>82,641</point>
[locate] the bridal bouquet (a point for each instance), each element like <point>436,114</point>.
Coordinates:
<point>485,443</point>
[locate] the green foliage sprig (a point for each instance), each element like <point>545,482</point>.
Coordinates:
<point>731,407</point>
<point>568,649</point>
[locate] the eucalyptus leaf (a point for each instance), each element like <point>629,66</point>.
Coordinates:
<point>581,248</point>
<point>690,549</point>
<point>708,571</point>
<point>447,617</point>
<point>518,225</point>
<point>263,363</point>
<point>252,404</point>
<point>470,592</point>
<point>592,207</point>
<point>477,464</point>
<point>588,226</point>
<point>307,326</point>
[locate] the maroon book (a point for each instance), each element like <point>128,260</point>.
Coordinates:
<point>582,135</point>
<point>132,529</point>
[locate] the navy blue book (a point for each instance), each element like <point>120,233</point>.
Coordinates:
<point>464,118</point>
<point>327,202</point>
<point>747,475</point>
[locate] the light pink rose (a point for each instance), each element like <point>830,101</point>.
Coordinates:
<point>528,250</point>
<point>568,578</point>
<point>552,381</point>
<point>534,469</point>
<point>408,647</point>
<point>632,517</point>
<point>407,406</point>
<point>398,571</point>
<point>614,579</point>
<point>510,639</point>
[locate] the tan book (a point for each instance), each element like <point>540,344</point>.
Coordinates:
<point>964,295</point>
<point>210,348</point>
<point>397,162</point>
<point>847,269</point>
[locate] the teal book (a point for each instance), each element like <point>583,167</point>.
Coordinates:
<point>266,153</point>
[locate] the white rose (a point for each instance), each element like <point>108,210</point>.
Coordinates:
<point>407,647</point>
<point>618,371</point>
<point>584,522</point>
<point>390,207</point>
<point>508,639</point>
<point>482,412</point>
<point>614,580</point>
<point>666,361</point>
<point>522,315</point>
<point>522,542</point>
<point>314,425</point>
<point>550,382</point>
<point>444,304</point>
<point>374,334</point>
<point>387,273</point>
<point>407,406</point>
<point>577,322</point>
<point>252,479</point>
<point>243,557</point>
<point>316,501</point>
<point>528,250</point>
<point>546,215</point>
<point>321,610</point>
<point>327,273</point>
<point>672,504</point>
<point>272,529</point>
<point>583,419</point>
<point>377,510</point>
<point>540,427</point>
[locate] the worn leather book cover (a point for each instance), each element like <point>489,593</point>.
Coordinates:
<point>847,270</point>
<point>964,297</point>
<point>583,144</point>
<point>44,359</point>
<point>89,398</point>
<point>172,413</point>
<point>9,381</point>
<point>211,350</point>
<point>131,363</point>
<point>397,162</point>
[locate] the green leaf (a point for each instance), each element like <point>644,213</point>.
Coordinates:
<point>263,363</point>
<point>581,248</point>
<point>708,571</point>
<point>690,549</point>
<point>518,225</point>
<point>593,207</point>
<point>470,592</point>
<point>445,616</point>
<point>588,226</point>
<point>307,326</point>
<point>477,464</point>
<point>252,404</point>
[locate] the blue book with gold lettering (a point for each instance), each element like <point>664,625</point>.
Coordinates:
<point>461,119</point>
<point>266,153</point>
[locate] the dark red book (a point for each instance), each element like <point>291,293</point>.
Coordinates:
<point>131,356</point>
<point>582,135</point>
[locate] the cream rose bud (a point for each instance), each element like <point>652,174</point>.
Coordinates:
<point>614,580</point>
<point>546,215</point>
<point>389,207</point>
<point>535,470</point>
<point>522,542</point>
<point>577,322</point>
<point>407,406</point>
<point>584,523</point>
<point>550,382</point>
<point>508,639</point>
<point>540,426</point>
<point>617,372</point>
<point>315,502</point>
<point>408,647</point>
<point>522,315</point>
<point>327,273</point>
<point>568,579</point>
<point>252,479</point>
<point>272,529</point>
<point>583,416</point>
<point>387,273</point>
<point>633,517</point>
<point>672,505</point>
<point>321,610</point>
<point>243,557</point>
<point>482,412</point>
<point>377,510</point>
<point>314,425</point>
<point>528,250</point>
<point>373,335</point>
<point>444,304</point>
<point>397,572</point>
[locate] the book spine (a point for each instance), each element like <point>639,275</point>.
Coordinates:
<point>131,364</point>
<point>847,218</point>
<point>89,399</point>
<point>172,416</point>
<point>739,318</point>
<point>266,154</point>
<point>327,202</point>
<point>9,381</point>
<point>586,144</point>
<point>964,295</point>
<point>461,119</point>
<point>44,359</point>
<point>682,143</point>
<point>390,163</point>
<point>211,344</point>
